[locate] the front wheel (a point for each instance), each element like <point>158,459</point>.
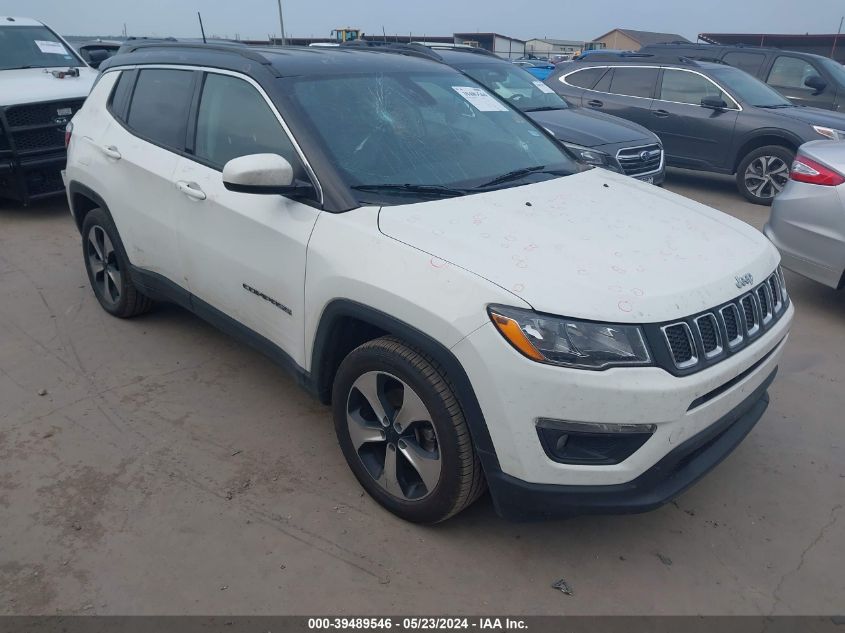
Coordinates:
<point>403,433</point>
<point>763,173</point>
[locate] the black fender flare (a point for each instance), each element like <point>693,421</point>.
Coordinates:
<point>345,308</point>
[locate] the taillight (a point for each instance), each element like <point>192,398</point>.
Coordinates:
<point>807,170</point>
<point>68,133</point>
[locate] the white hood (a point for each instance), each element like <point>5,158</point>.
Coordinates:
<point>33,85</point>
<point>595,245</point>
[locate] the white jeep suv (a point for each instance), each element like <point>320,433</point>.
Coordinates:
<point>479,309</point>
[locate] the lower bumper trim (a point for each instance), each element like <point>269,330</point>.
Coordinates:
<point>519,500</point>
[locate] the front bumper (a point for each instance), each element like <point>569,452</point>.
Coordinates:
<point>515,392</point>
<point>33,178</point>
<point>518,500</point>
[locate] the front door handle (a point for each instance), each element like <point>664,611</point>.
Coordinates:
<point>660,113</point>
<point>191,189</point>
<point>110,151</point>
<point>595,103</point>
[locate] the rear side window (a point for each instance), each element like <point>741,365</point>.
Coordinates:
<point>791,72</point>
<point>235,120</point>
<point>120,94</point>
<point>749,62</point>
<point>160,106</point>
<point>585,78</point>
<point>634,82</point>
<point>684,87</point>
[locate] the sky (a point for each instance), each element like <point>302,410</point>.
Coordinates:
<point>563,19</point>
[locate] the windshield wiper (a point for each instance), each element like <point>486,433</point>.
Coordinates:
<point>439,191</point>
<point>544,108</point>
<point>777,105</point>
<point>516,174</point>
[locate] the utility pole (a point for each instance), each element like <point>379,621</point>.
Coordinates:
<point>282,24</point>
<point>833,49</point>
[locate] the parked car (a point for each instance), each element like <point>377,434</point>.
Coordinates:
<point>539,69</point>
<point>803,78</point>
<point>808,219</point>
<point>595,138</point>
<point>710,117</point>
<point>476,306</point>
<point>43,83</point>
<point>97,51</point>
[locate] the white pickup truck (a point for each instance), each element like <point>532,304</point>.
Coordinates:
<point>43,83</point>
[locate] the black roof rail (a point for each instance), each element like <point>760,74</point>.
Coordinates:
<point>656,58</point>
<point>243,51</point>
<point>413,50</point>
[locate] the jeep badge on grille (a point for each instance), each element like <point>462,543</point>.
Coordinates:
<point>745,280</point>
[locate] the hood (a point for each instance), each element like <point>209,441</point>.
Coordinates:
<point>813,116</point>
<point>32,85</point>
<point>594,245</point>
<point>590,129</point>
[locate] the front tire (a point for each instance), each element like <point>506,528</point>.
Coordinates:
<point>403,433</point>
<point>763,173</point>
<point>108,267</point>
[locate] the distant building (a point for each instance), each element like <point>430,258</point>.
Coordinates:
<point>629,40</point>
<point>828,45</point>
<point>501,45</point>
<point>545,47</point>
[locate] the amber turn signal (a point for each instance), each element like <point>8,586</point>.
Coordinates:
<point>515,336</point>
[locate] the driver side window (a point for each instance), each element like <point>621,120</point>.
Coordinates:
<point>234,120</point>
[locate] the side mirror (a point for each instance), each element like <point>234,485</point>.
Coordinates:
<point>262,174</point>
<point>816,83</point>
<point>714,103</point>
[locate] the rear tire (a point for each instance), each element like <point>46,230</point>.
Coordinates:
<point>403,432</point>
<point>108,267</point>
<point>763,173</point>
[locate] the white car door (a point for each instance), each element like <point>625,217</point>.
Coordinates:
<point>243,254</point>
<point>142,147</point>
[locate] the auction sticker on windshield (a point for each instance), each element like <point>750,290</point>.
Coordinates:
<point>51,48</point>
<point>481,99</point>
<point>543,87</point>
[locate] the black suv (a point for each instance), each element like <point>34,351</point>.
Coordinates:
<point>803,78</point>
<point>710,117</point>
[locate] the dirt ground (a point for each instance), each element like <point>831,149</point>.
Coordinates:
<point>170,470</point>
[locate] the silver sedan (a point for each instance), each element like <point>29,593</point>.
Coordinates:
<point>808,217</point>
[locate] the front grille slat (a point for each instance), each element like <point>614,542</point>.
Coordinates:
<point>726,329</point>
<point>681,345</point>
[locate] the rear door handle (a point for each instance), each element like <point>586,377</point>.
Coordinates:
<point>660,113</point>
<point>595,103</point>
<point>110,151</point>
<point>191,189</point>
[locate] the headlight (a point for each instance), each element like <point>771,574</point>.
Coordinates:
<point>571,343</point>
<point>832,133</point>
<point>593,157</point>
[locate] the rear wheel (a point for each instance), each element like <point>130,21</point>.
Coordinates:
<point>108,267</point>
<point>763,173</point>
<point>403,432</point>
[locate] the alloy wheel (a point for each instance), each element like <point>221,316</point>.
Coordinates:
<point>103,264</point>
<point>766,176</point>
<point>393,435</point>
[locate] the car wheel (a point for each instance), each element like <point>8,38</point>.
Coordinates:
<point>763,173</point>
<point>403,432</point>
<point>108,267</point>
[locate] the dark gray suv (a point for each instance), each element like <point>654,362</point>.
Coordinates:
<point>803,78</point>
<point>710,117</point>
